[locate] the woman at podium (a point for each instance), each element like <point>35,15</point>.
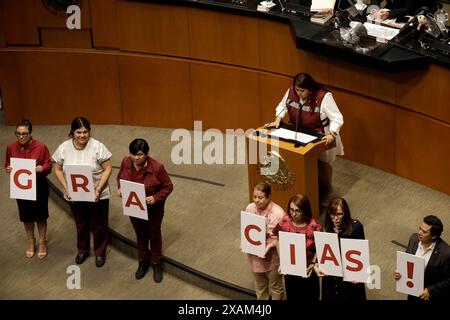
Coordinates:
<point>311,106</point>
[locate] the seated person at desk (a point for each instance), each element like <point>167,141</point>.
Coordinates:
<point>399,8</point>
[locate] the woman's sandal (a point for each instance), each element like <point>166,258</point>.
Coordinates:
<point>42,253</point>
<point>30,250</point>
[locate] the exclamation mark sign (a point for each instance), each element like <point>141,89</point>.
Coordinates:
<point>410,271</point>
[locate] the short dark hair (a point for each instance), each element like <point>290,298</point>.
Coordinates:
<point>305,81</point>
<point>25,123</point>
<point>346,224</point>
<point>436,225</point>
<point>78,123</point>
<point>302,202</point>
<point>264,187</point>
<point>137,145</point>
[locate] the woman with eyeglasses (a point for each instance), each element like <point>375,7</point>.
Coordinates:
<point>31,212</point>
<point>82,149</point>
<point>339,220</point>
<point>299,220</point>
<point>268,282</point>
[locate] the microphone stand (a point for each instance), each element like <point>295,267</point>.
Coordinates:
<point>297,143</point>
<point>257,133</point>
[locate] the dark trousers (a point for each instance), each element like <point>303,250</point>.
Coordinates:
<point>149,230</point>
<point>302,289</point>
<point>91,216</point>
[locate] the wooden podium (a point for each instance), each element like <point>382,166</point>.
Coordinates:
<point>298,172</point>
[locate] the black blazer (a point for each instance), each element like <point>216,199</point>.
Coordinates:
<point>437,272</point>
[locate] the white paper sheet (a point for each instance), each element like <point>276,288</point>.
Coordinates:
<point>378,31</point>
<point>317,5</point>
<point>253,234</point>
<point>133,199</point>
<point>330,260</point>
<point>292,135</point>
<point>23,179</point>
<point>292,248</point>
<point>411,282</point>
<point>80,182</point>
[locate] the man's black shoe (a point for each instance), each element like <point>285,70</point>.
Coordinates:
<point>157,272</point>
<point>99,262</point>
<point>142,269</point>
<point>79,259</point>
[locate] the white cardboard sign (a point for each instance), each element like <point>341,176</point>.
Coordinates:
<point>355,259</point>
<point>328,253</point>
<point>253,234</point>
<point>22,179</point>
<point>292,248</point>
<point>412,269</point>
<point>133,199</point>
<point>80,182</point>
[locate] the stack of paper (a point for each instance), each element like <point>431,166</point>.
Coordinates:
<point>317,5</point>
<point>292,135</point>
<point>378,31</point>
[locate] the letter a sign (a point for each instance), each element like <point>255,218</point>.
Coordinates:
<point>133,199</point>
<point>23,179</point>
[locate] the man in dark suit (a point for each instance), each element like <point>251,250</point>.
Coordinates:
<point>428,244</point>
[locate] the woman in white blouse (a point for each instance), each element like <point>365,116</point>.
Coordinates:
<point>311,106</point>
<point>82,149</point>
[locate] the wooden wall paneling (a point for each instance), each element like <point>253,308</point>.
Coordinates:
<point>12,100</point>
<point>19,20</point>
<point>64,38</point>
<point>273,87</point>
<point>225,97</point>
<point>223,38</point>
<point>362,80</point>
<point>2,25</point>
<point>51,18</point>
<point>279,54</point>
<point>425,91</point>
<point>153,28</point>
<point>368,130</point>
<point>155,91</point>
<point>422,149</point>
<point>104,24</point>
<point>52,87</point>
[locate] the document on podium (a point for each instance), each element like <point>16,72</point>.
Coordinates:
<point>317,5</point>
<point>292,135</point>
<point>378,31</point>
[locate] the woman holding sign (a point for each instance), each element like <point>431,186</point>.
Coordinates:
<point>339,220</point>
<point>311,106</point>
<point>141,168</point>
<point>265,270</point>
<point>32,211</point>
<point>299,220</point>
<point>82,149</point>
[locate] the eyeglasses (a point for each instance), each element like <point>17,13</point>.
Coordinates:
<point>21,134</point>
<point>295,210</point>
<point>337,215</point>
